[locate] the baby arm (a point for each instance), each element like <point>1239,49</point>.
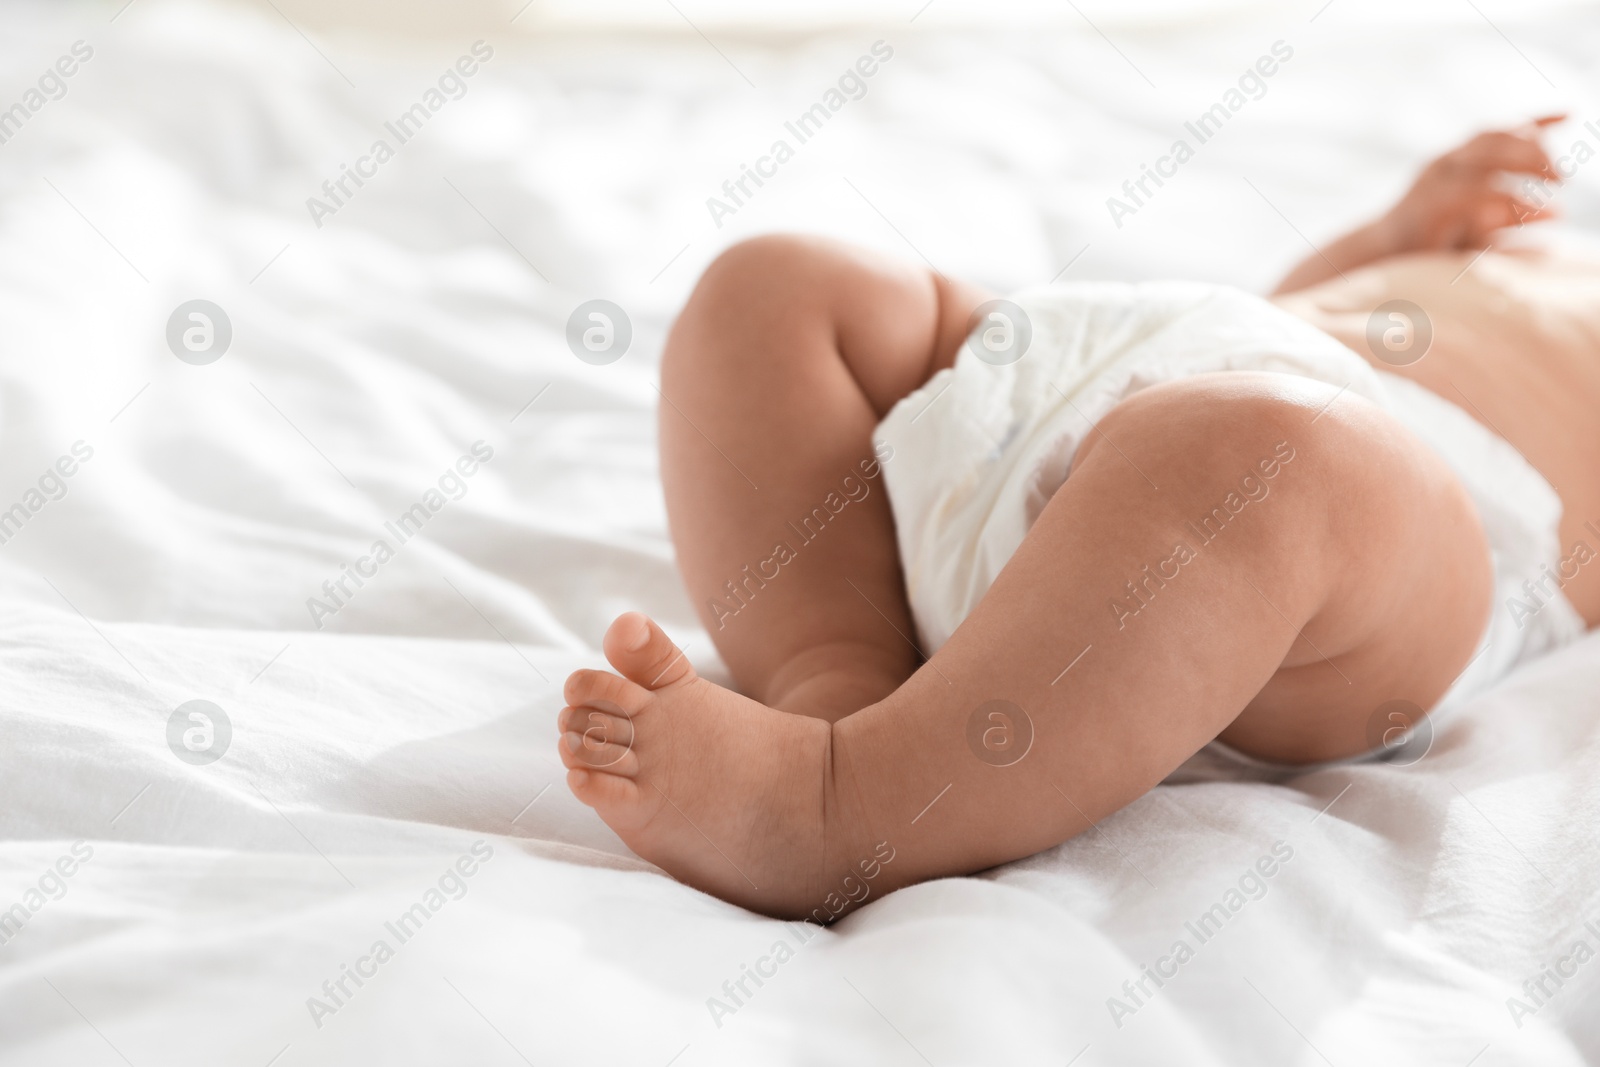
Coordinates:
<point>1457,202</point>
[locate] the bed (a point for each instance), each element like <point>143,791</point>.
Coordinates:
<point>263,803</point>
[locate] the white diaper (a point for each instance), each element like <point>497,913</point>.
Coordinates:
<point>979,450</point>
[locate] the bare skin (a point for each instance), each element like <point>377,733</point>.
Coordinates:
<point>1516,334</point>
<point>845,771</point>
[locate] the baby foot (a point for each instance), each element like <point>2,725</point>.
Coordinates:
<point>723,793</point>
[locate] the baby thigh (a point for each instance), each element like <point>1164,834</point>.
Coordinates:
<point>1232,555</point>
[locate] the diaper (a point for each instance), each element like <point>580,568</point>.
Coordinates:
<point>979,450</point>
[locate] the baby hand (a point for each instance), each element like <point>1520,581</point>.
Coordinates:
<point>1459,200</point>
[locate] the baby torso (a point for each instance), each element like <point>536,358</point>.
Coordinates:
<point>1512,339</point>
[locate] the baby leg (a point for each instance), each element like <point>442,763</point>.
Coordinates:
<point>1361,577</point>
<point>787,355</point>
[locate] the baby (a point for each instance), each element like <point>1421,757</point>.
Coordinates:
<point>986,571</point>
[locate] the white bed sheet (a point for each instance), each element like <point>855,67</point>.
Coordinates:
<point>370,754</point>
